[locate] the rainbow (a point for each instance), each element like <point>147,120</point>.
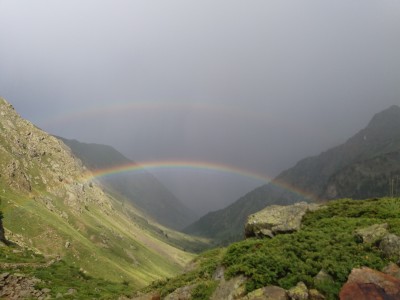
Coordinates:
<point>195,165</point>
<point>122,109</point>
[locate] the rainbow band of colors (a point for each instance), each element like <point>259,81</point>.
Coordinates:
<point>196,165</point>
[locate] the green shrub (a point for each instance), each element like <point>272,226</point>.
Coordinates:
<point>326,241</point>
<point>204,290</point>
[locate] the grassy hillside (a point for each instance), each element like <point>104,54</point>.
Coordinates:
<point>326,241</point>
<point>58,276</point>
<point>49,206</point>
<point>335,173</point>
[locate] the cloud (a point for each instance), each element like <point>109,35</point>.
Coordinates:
<point>280,79</point>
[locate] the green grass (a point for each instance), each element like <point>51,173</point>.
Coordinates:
<point>130,254</point>
<point>326,241</point>
<point>61,276</point>
<point>205,266</point>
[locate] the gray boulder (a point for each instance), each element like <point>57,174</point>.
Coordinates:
<point>390,246</point>
<point>322,277</point>
<point>276,219</point>
<point>230,289</point>
<point>372,234</point>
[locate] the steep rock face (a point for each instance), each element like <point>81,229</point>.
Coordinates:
<point>39,164</point>
<point>349,170</point>
<point>375,177</point>
<point>141,188</point>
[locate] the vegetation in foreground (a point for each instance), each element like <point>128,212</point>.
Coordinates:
<point>59,276</point>
<point>326,241</point>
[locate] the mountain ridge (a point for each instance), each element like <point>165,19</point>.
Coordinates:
<point>312,174</point>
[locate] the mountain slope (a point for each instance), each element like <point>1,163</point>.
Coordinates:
<point>141,188</point>
<point>314,176</point>
<point>49,205</point>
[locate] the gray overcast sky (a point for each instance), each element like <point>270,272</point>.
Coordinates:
<point>254,84</point>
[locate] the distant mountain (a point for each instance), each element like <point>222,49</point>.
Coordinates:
<point>140,188</point>
<point>49,207</point>
<point>360,168</point>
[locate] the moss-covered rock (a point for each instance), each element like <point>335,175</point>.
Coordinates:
<point>277,219</point>
<point>268,293</point>
<point>299,292</point>
<point>390,246</point>
<point>372,234</point>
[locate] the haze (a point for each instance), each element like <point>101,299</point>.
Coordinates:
<point>256,85</point>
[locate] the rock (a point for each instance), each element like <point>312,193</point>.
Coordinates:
<point>314,294</point>
<point>67,244</point>
<point>59,295</point>
<point>268,293</point>
<point>46,291</point>
<point>368,284</point>
<point>365,291</point>
<point>277,219</point>
<point>390,246</point>
<point>71,292</point>
<point>322,277</point>
<point>372,234</point>
<point>275,293</point>
<point>392,269</point>
<point>18,286</point>
<point>183,293</point>
<point>231,289</point>
<point>219,273</point>
<point>2,234</point>
<point>151,296</point>
<point>299,292</point>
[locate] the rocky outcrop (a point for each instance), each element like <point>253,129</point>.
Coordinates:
<point>390,246</point>
<point>322,277</point>
<point>183,293</point>
<point>299,292</point>
<point>36,162</point>
<point>2,231</point>
<point>230,289</point>
<point>276,219</point>
<point>372,234</point>
<point>267,293</point>
<point>369,284</point>
<point>392,269</point>
<point>314,294</point>
<point>19,286</point>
